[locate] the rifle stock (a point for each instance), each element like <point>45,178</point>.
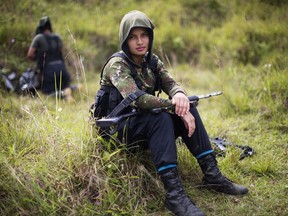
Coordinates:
<point>112,123</point>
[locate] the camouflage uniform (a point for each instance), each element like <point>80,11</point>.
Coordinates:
<point>117,73</point>
<point>160,130</point>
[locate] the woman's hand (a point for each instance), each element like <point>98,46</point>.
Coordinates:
<point>182,107</point>
<point>181,103</point>
<point>189,122</point>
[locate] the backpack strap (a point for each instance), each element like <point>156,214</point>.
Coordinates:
<point>125,103</point>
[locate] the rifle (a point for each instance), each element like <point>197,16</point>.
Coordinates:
<point>222,145</point>
<point>113,124</point>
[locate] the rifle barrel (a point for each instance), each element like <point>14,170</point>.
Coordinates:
<point>194,98</point>
<point>210,95</point>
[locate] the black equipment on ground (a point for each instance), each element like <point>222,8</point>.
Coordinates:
<point>221,146</point>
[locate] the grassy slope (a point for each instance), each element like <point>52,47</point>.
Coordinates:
<point>52,162</point>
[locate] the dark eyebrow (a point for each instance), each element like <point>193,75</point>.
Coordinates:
<point>130,35</point>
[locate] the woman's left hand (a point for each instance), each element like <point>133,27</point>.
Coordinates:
<point>189,122</point>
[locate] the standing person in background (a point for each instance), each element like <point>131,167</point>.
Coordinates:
<point>46,50</point>
<point>130,72</point>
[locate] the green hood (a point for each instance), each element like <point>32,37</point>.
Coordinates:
<point>135,19</point>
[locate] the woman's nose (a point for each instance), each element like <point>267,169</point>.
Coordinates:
<point>139,40</point>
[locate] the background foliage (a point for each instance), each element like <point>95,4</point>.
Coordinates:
<point>197,32</point>
<point>53,163</point>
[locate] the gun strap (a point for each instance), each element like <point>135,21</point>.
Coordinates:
<point>125,103</point>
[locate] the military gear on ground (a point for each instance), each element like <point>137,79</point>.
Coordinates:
<point>177,201</point>
<point>221,145</point>
<point>8,80</point>
<point>214,180</point>
<point>29,81</point>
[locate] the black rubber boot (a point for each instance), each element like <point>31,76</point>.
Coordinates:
<point>214,180</point>
<point>176,199</point>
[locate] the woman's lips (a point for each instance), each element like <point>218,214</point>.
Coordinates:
<point>140,49</point>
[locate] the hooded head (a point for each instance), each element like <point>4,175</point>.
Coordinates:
<point>43,24</point>
<point>135,19</point>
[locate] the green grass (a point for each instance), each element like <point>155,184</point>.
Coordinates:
<point>52,161</point>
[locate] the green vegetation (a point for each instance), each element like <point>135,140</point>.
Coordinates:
<point>53,163</point>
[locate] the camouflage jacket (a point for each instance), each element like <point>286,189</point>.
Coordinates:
<point>117,73</point>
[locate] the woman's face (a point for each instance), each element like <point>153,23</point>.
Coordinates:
<point>138,42</point>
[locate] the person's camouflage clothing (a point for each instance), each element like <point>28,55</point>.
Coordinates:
<point>117,72</point>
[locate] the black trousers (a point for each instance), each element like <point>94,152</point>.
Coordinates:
<point>159,133</point>
<point>55,78</point>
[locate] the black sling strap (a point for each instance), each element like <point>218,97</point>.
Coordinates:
<point>125,103</point>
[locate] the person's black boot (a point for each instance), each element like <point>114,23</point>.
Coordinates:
<point>214,180</point>
<point>176,199</point>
